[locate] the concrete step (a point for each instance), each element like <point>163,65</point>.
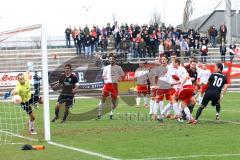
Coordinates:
<point>233,89</point>
<point>37,50</point>
<point>33,55</point>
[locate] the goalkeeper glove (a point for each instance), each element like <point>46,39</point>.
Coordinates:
<point>6,95</point>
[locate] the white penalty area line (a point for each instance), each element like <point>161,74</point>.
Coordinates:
<point>83,151</point>
<point>191,156</point>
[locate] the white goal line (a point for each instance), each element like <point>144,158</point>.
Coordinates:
<point>19,136</point>
<point>112,158</point>
<point>62,146</point>
<point>84,151</point>
<point>191,156</point>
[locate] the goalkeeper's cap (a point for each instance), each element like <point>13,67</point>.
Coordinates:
<point>27,147</point>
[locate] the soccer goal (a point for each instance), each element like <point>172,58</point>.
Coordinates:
<point>23,50</point>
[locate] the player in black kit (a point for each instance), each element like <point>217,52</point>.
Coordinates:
<point>216,82</point>
<point>68,82</point>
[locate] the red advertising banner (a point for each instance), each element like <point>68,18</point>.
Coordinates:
<point>10,79</point>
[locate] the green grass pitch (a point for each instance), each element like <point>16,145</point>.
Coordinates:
<point>128,137</point>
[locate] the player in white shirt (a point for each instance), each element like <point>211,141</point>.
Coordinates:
<point>186,94</point>
<point>174,79</point>
<point>203,76</point>
<point>141,76</point>
<point>111,75</point>
<point>153,72</point>
<point>165,89</point>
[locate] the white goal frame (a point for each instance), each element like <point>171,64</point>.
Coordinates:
<point>46,112</point>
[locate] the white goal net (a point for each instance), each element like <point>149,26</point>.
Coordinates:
<point>20,52</point>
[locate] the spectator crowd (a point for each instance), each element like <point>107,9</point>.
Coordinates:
<point>145,41</point>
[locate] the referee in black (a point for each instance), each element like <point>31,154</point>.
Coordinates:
<point>214,92</point>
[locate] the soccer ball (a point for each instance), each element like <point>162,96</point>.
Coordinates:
<point>16,99</point>
<point>40,100</point>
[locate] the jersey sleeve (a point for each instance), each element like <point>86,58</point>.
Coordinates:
<point>62,78</point>
<point>182,72</point>
<point>75,79</point>
<point>120,71</point>
<point>199,73</point>
<point>210,79</point>
<point>210,73</point>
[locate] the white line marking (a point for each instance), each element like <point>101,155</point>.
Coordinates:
<point>19,136</point>
<point>190,156</point>
<point>83,151</point>
<point>112,158</point>
<point>11,143</point>
<point>63,146</point>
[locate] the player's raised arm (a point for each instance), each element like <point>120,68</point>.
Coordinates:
<point>15,90</point>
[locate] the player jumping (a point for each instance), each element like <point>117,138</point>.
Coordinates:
<point>23,90</point>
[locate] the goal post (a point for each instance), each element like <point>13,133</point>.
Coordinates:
<point>46,111</point>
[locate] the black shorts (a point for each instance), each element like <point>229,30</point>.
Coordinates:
<point>27,105</point>
<point>210,96</point>
<point>68,99</point>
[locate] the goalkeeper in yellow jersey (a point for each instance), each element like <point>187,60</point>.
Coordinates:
<point>23,90</point>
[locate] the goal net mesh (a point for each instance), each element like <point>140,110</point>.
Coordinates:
<point>20,52</point>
